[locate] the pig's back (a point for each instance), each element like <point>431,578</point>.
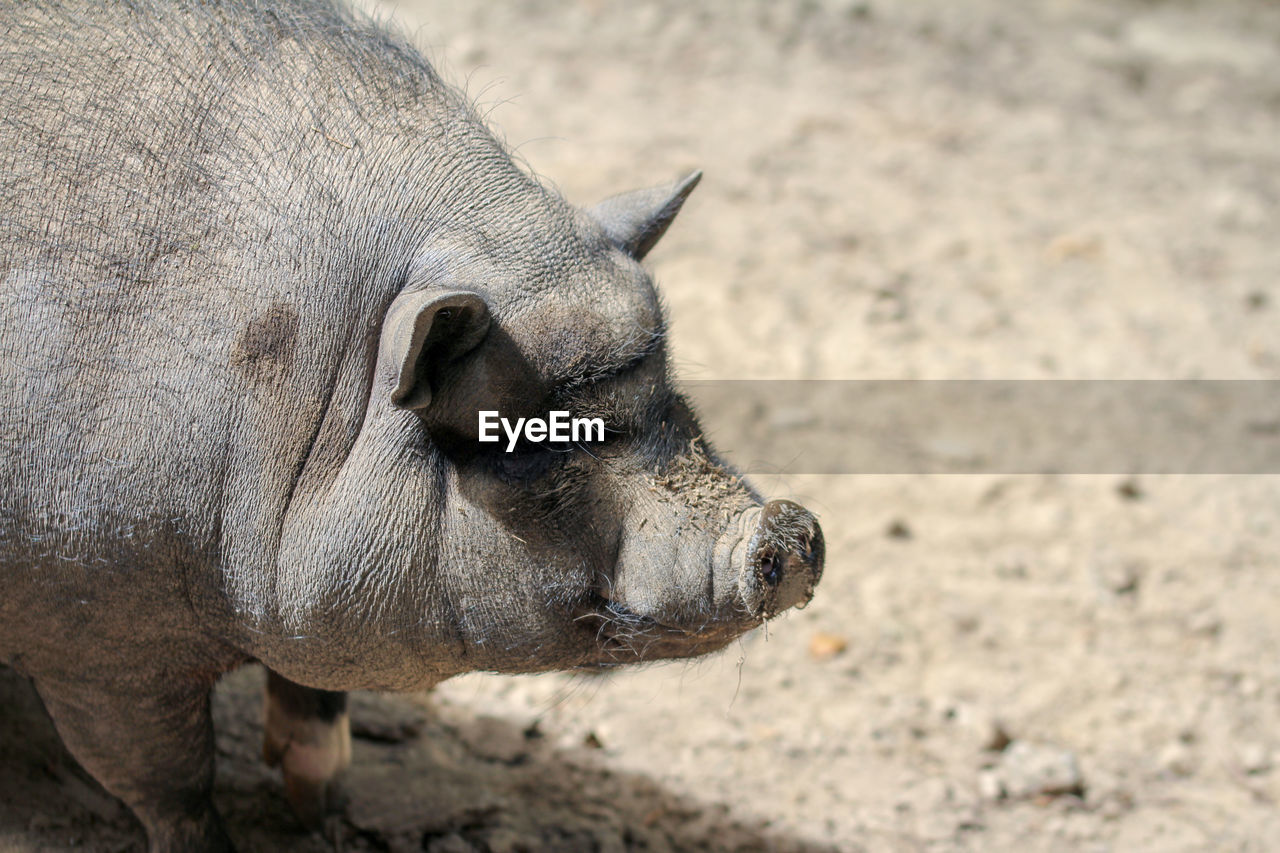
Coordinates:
<point>183,191</point>
<point>168,334</point>
<point>111,393</point>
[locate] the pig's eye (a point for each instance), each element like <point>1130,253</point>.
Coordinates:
<point>521,467</point>
<point>529,461</point>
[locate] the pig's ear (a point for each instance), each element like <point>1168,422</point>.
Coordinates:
<point>425,331</point>
<point>634,221</point>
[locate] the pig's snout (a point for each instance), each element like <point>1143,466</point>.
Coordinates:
<point>781,559</point>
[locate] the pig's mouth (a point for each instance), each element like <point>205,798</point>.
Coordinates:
<point>623,636</point>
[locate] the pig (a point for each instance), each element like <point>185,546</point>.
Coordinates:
<point>261,271</point>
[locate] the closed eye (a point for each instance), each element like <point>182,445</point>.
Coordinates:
<point>528,461</point>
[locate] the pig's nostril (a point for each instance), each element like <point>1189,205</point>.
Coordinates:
<point>771,569</point>
<point>786,559</point>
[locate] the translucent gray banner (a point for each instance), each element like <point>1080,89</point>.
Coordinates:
<point>994,426</point>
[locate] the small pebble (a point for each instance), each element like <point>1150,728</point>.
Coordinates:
<point>1130,490</point>
<point>989,786</point>
<point>1029,770</point>
<point>898,529</point>
<point>1122,577</point>
<point>823,646</point>
<point>1176,759</point>
<point>1255,759</point>
<point>1066,247</point>
<point>994,736</point>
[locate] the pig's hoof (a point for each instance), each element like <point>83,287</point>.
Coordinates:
<point>311,753</point>
<point>311,743</point>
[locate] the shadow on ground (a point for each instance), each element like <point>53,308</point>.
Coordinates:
<point>435,780</point>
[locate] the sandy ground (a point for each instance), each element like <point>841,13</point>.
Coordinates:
<point>924,189</point>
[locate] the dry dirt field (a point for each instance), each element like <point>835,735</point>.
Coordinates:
<point>932,189</point>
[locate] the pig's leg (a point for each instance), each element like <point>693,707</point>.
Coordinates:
<point>151,746</point>
<point>308,734</point>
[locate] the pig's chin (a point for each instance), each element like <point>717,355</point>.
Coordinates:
<point>621,636</point>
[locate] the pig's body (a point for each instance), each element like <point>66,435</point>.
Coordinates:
<point>258,273</point>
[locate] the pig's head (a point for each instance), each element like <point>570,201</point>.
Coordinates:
<point>552,555</point>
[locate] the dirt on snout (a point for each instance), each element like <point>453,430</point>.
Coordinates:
<point>894,190</point>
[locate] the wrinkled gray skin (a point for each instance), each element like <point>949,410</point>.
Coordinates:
<point>258,272</point>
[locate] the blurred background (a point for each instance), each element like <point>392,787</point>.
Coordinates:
<point>923,189</point>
